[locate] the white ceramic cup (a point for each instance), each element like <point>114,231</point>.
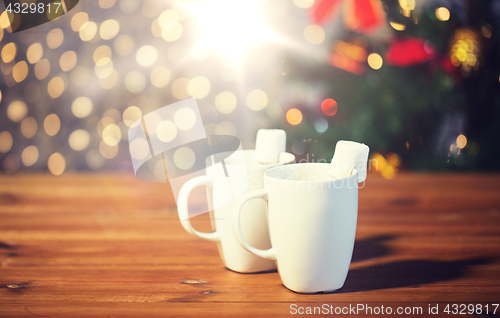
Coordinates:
<point>312,223</point>
<point>253,215</point>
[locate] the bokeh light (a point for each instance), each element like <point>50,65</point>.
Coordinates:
<point>135,82</point>
<point>17,110</point>
<point>67,61</point>
<point>185,118</point>
<point>106,4</point>
<point>6,141</point>
<point>11,163</point>
<point>160,76</point>
<point>314,34</point>
<point>20,71</point>
<point>42,69</point>
<point>34,53</point>
<point>179,88</point>
<point>461,141</point>
<point>443,14</point>
<point>294,116</point>
<point>29,156</point>
<point>320,125</point>
<point>29,127</point>
<point>102,55</point>
<point>166,131</point>
<point>131,115</point>
<point>111,135</point>
<point>109,29</point>
<point>55,88</point>
<point>79,139</point>
<point>146,55</point>
<point>82,107</point>
<point>375,61</point>
<point>329,107</point>
<point>123,45</point>
<point>225,102</point>
<point>198,87</point>
<point>88,31</point>
<point>304,4</point>
<point>257,100</point>
<point>139,148</point>
<point>56,164</point>
<point>397,26</point>
<point>52,124</point>
<point>79,19</point>
<point>184,158</point>
<point>9,52</point>
<point>55,38</point>
<point>171,31</point>
<point>107,151</point>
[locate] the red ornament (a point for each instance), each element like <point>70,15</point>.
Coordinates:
<point>409,52</point>
<point>362,16</point>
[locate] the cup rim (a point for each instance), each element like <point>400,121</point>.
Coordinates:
<point>303,164</point>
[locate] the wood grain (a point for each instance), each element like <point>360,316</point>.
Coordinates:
<point>104,244</point>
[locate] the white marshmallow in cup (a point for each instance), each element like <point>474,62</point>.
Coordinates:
<point>349,155</point>
<point>269,145</point>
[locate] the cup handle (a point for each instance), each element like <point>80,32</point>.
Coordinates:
<point>262,194</point>
<point>182,207</point>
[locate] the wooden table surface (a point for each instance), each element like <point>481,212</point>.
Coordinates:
<point>111,245</point>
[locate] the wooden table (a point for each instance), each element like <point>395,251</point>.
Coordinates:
<point>113,245</point>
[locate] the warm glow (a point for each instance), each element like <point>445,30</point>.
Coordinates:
<point>257,100</point>
<point>123,45</point>
<point>135,82</point>
<point>397,26</point>
<point>56,164</point>
<point>229,26</point>
<point>82,107</point>
<point>179,88</point>
<point>17,110</point>
<point>131,115</point>
<point>6,141</point>
<point>443,14</point>
<point>34,53</point>
<point>29,156</point>
<point>55,38</point>
<point>9,52</point>
<point>146,55</point>
<point>184,158</point>
<point>294,116</point>
<point>461,141</point>
<point>79,139</point>
<point>160,76</point>
<point>375,61</point>
<point>225,102</point>
<point>314,34</point>
<point>55,87</point>
<point>67,61</point>
<point>199,87</point>
<point>109,29</point>
<point>20,71</point>
<point>29,127</point>
<point>51,124</point>
<point>42,69</point>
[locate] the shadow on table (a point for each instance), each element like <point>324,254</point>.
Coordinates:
<point>370,248</point>
<point>406,274</point>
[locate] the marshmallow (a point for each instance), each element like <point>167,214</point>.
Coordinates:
<point>269,144</point>
<point>349,155</point>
